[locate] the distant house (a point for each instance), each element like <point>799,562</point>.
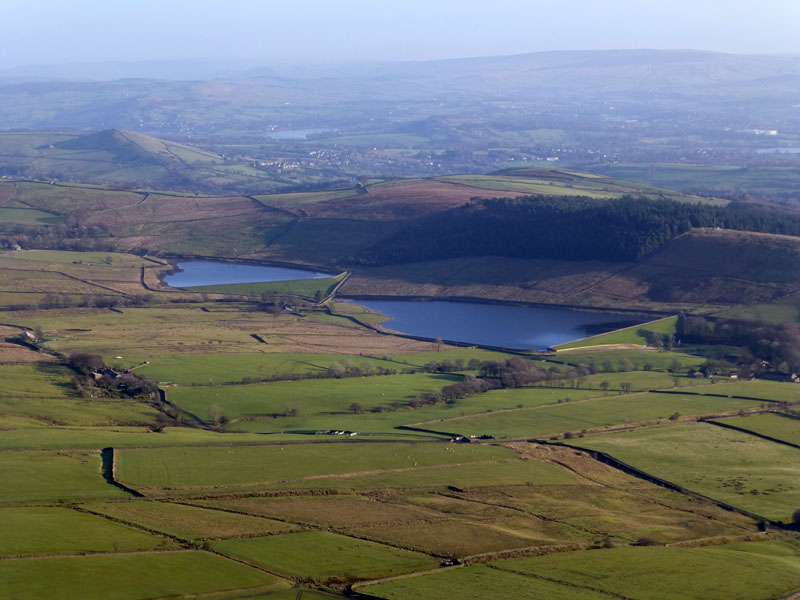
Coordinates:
<point>696,374</point>
<point>110,373</point>
<point>26,337</point>
<point>778,376</point>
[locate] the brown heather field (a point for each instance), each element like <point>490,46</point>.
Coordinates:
<point>401,200</point>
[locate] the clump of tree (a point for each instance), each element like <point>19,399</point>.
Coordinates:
<point>761,342</point>
<point>94,378</point>
<point>53,300</point>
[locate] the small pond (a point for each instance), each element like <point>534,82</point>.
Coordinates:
<point>203,272</point>
<point>513,327</point>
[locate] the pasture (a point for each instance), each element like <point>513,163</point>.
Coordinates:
<point>657,573</point>
<point>321,557</point>
<point>48,530</point>
<point>188,522</point>
<point>120,576</point>
<point>341,511</point>
<point>309,397</point>
<point>220,369</point>
<point>481,581</point>
<point>776,425</point>
<point>592,414</point>
<point>740,469</point>
<point>53,475</point>
<point>207,467</point>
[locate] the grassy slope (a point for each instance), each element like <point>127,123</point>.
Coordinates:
<point>322,556</point>
<point>739,469</point>
<point>206,467</point>
<point>120,576</point>
<point>656,573</point>
<point>636,334</point>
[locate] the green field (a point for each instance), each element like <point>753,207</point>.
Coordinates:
<point>196,369</point>
<point>763,182</point>
<point>590,414</point>
<point>321,556</point>
<point>342,510</point>
<point>203,467</point>
<point>25,435</point>
<point>188,522</point>
<point>740,469</point>
<point>729,572</point>
<point>53,476</point>
<point>776,425</point>
<point>28,216</point>
<point>636,334</point>
<point>314,396</point>
<point>306,288</point>
<point>481,581</point>
<point>639,358</point>
<point>140,576</point>
<point>46,530</point>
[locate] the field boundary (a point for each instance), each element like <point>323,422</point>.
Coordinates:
<point>754,433</point>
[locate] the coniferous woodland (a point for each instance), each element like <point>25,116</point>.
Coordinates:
<point>566,228</point>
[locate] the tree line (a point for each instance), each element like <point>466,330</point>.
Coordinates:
<point>778,345</point>
<point>565,228</point>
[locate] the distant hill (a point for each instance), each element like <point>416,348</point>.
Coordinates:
<point>125,158</point>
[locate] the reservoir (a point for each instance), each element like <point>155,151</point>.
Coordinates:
<point>203,272</point>
<point>512,327</point>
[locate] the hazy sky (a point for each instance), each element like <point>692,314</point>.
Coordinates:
<point>314,31</point>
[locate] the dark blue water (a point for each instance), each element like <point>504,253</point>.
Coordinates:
<point>203,272</point>
<point>513,327</point>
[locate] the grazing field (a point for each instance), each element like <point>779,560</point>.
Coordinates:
<point>591,414</point>
<point>315,396</point>
<point>624,515</point>
<point>198,467</point>
<point>776,425</point>
<point>458,538</point>
<point>519,472</point>
<point>139,576</point>
<point>44,392</point>
<point>28,216</point>
<point>188,522</point>
<point>728,572</point>
<point>760,389</point>
<point>194,369</point>
<point>762,182</point>
<point>480,581</point>
<point>747,472</point>
<point>337,511</point>
<point>46,530</point>
<point>53,475</point>
<point>638,358</point>
<point>21,434</point>
<point>321,556</point>
<point>139,334</point>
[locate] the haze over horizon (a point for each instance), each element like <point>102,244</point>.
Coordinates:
<point>91,31</point>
